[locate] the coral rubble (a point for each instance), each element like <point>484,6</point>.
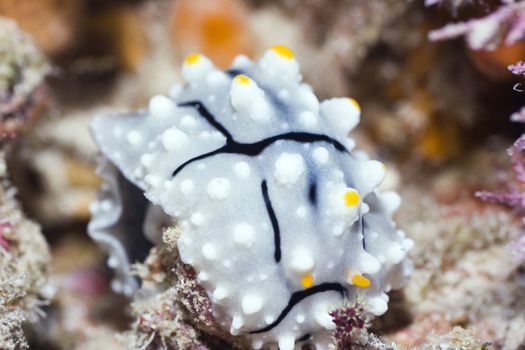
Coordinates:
<point>22,72</point>
<point>24,267</point>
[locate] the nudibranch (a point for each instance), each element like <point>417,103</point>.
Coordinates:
<point>280,218</point>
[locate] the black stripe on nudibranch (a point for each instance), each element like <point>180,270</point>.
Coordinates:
<point>254,149</point>
<point>250,149</point>
<point>234,72</point>
<point>312,193</point>
<point>210,118</point>
<point>274,221</point>
<point>362,229</point>
<point>304,338</point>
<point>297,297</point>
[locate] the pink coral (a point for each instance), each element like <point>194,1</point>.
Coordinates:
<point>518,116</point>
<point>349,321</point>
<point>506,25</point>
<point>514,195</point>
<point>517,68</point>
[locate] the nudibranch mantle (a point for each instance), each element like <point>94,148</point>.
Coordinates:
<point>279,218</point>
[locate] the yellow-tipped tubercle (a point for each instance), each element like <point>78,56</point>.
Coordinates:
<point>360,281</point>
<point>192,58</point>
<point>351,197</point>
<point>283,51</point>
<point>307,280</point>
<point>354,103</point>
<point>242,79</point>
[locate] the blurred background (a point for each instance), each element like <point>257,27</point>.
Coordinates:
<point>436,93</point>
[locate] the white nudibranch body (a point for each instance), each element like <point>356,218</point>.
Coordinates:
<point>279,220</point>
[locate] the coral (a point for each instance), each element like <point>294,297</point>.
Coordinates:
<point>505,25</point>
<point>518,68</point>
<point>161,325</point>
<point>24,261</point>
<point>305,164</point>
<point>514,195</point>
<point>11,334</point>
<point>463,272</point>
<point>24,254</point>
<point>351,321</point>
<point>172,316</point>
<point>22,72</point>
<point>495,40</point>
<point>458,338</point>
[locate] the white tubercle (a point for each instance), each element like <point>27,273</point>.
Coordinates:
<point>244,235</point>
<point>162,107</point>
<point>188,123</point>
<point>391,202</point>
<point>134,138</point>
<point>301,211</point>
<point>371,173</point>
<point>307,97</point>
<point>321,155</point>
<point>249,100</point>
<point>257,344</point>
<point>241,62</point>
<point>280,65</point>
<point>308,119</point>
<point>324,319</point>
<point>219,188</point>
<point>173,139</point>
<point>342,113</point>
<point>217,79</point>
<point>219,294</point>
<point>251,304</point>
<point>395,253</point>
<point>301,260</point>
<point>147,160</point>
<point>209,251</point>
<point>196,67</point>
<point>344,205</point>
<point>286,342</point>
<point>186,187</point>
<point>197,219</point>
<point>288,168</point>
<point>368,263</point>
<point>377,304</point>
<point>242,169</point>
<point>237,323</point>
